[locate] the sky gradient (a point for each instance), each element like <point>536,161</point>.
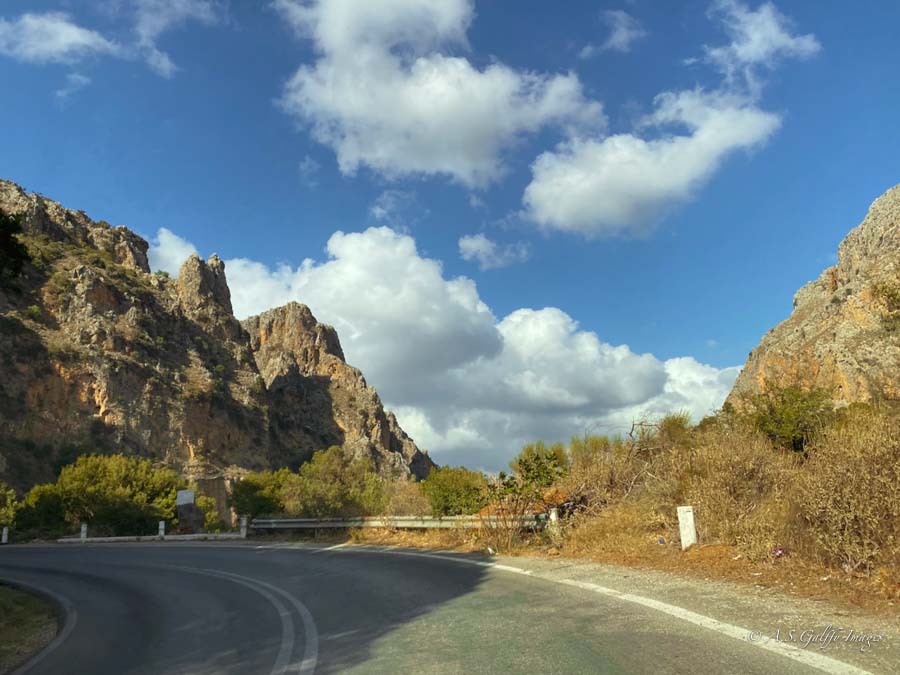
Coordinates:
<point>523,222</point>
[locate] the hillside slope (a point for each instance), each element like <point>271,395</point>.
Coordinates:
<point>843,335</point>
<point>101,355</point>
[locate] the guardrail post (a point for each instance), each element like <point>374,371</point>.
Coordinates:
<point>162,529</point>
<point>243,527</point>
<point>686,527</point>
<point>4,538</point>
<point>83,531</point>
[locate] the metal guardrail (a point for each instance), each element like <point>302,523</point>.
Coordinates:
<point>394,522</point>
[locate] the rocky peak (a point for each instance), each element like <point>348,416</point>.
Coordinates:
<point>44,217</point>
<point>841,335</point>
<point>290,336</point>
<point>302,363</point>
<point>202,284</point>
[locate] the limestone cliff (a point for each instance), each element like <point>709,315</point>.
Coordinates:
<point>99,355</point>
<point>843,335</point>
<point>321,398</point>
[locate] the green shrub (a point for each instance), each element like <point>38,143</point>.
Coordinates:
<point>454,491</point>
<point>33,312</point>
<point>211,520</point>
<point>259,493</point>
<point>41,513</point>
<point>8,505</point>
<point>790,416</point>
<point>333,485</point>
<point>118,495</point>
<point>13,254</point>
<point>539,465</point>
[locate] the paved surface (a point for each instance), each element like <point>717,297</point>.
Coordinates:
<point>211,608</point>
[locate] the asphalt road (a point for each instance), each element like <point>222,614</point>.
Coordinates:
<point>206,608</point>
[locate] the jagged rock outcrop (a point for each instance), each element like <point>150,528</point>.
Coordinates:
<point>99,355</point>
<point>843,335</point>
<point>303,366</point>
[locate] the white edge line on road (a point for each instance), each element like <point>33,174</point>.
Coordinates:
<point>809,658</point>
<point>286,648</point>
<point>307,664</point>
<point>67,628</point>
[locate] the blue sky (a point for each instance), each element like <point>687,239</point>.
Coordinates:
<point>574,201</point>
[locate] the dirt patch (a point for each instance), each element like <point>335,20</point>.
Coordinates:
<point>27,624</point>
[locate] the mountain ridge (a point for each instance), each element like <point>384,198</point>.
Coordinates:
<point>101,355</point>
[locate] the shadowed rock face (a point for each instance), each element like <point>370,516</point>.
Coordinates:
<point>303,364</point>
<point>844,332</point>
<point>99,355</point>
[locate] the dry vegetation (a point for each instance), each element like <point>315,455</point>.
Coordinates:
<point>830,512</point>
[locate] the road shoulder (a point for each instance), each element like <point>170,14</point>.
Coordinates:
<point>28,623</point>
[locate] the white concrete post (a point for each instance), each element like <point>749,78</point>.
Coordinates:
<point>553,525</point>
<point>554,518</point>
<point>686,527</point>
<point>243,527</point>
<point>83,531</point>
<point>162,529</point>
<point>5,537</point>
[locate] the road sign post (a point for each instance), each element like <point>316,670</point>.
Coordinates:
<point>243,527</point>
<point>5,537</point>
<point>83,531</point>
<point>162,529</point>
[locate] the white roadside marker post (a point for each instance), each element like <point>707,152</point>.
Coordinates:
<point>243,527</point>
<point>686,527</point>
<point>83,531</point>
<point>5,538</point>
<point>162,529</point>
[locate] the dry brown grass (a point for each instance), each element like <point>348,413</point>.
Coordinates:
<point>848,497</point>
<point>830,524</point>
<point>406,498</point>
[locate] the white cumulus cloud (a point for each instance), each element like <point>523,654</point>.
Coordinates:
<point>489,254</point>
<point>385,93</point>
<point>625,183</point>
<point>168,252</point>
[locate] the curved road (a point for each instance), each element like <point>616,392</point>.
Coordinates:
<point>207,608</point>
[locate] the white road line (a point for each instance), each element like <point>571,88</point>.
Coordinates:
<point>286,648</point>
<point>68,625</point>
<point>808,658</point>
<point>307,664</point>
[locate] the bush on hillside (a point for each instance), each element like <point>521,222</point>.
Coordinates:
<point>118,495</point>
<point>848,495</point>
<point>259,493</point>
<point>540,466</point>
<point>791,416</point>
<point>8,505</point>
<point>334,485</point>
<point>13,253</point>
<point>455,491</point>
<point>739,487</point>
<point>406,498</point>
<point>41,513</point>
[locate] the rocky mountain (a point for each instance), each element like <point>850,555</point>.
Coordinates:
<point>843,335</point>
<point>98,354</point>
